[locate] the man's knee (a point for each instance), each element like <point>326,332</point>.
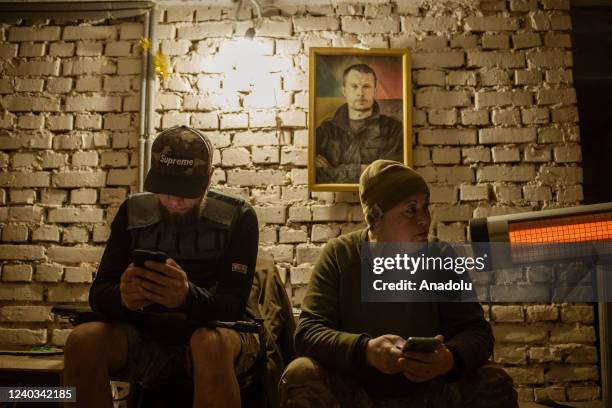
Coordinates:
<point>89,342</point>
<point>496,386</point>
<point>302,370</point>
<point>304,384</point>
<point>214,345</point>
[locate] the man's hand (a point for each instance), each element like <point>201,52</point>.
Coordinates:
<point>321,161</point>
<point>383,354</point>
<point>166,284</point>
<point>131,291</point>
<point>424,366</point>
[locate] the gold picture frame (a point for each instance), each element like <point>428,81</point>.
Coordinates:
<point>340,137</point>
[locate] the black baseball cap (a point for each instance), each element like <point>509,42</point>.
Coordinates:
<point>180,163</point>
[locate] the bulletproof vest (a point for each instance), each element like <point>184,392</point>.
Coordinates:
<point>207,238</point>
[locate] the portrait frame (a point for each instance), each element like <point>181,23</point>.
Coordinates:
<point>395,61</point>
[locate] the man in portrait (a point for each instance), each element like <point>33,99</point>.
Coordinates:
<point>358,133</point>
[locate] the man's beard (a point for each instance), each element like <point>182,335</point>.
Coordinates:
<point>182,220</point>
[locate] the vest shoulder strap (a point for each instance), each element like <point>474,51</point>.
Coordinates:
<point>143,210</point>
<point>222,209</point>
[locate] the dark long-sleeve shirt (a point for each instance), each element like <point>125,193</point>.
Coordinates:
<point>217,291</point>
<point>335,324</point>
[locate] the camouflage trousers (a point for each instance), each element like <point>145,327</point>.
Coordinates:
<point>305,384</point>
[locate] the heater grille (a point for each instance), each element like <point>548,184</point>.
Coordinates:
<point>578,228</point>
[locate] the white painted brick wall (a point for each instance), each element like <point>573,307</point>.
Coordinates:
<point>494,124</point>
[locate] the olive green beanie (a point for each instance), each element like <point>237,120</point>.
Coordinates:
<point>386,183</point>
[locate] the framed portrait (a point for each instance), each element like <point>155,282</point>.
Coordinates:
<point>359,111</point>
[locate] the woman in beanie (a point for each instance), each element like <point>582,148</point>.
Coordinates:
<point>349,347</point>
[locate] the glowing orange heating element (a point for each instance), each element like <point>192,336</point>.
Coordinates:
<point>592,227</point>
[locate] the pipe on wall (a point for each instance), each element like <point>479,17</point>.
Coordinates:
<point>151,82</point>
<point>143,104</point>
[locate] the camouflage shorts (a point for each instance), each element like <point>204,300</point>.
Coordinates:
<point>150,362</point>
<point>305,383</point>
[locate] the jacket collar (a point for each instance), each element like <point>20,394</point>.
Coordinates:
<point>341,118</point>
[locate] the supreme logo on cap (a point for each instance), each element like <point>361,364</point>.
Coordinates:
<point>175,161</point>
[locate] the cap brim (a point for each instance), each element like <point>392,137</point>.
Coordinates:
<point>188,187</point>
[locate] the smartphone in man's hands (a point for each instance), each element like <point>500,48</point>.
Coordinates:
<point>139,256</point>
<point>421,344</point>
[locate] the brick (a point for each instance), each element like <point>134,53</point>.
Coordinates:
<point>61,49</point>
<point>526,375</point>
<point>93,103</point>
<point>310,23</point>
<point>500,59</point>
<point>505,154</point>
<point>79,274</point>
<point>494,77</point>
<point>60,122</point>
<point>292,235</point>
<point>17,273</point>
<point>537,193</point>
<point>446,155</point>
<point>557,40</point>
<point>323,233</point>
<point>80,179</point>
<point>59,85</point>
<point>452,59</point>
<point>507,135</point>
<point>370,26</point>
<point>21,337</point>
<point>82,66</point>
<point>34,33</point>
<point>549,59</point>
<point>256,178</point>
<point>584,393</point>
<point>68,293</point>
<point>29,84</point>
<point>271,214</point>
<point>70,215</point>
<point>505,354</point>
<point>488,99</point>
<point>21,252</point>
<point>89,33</point>
<point>25,314</point>
<point>535,116</point>
<point>30,179</point>
<point>179,13</point>
<point>117,49</point>
<point>506,333</point>
<point>428,24</point>
<point>475,117</point>
<point>462,78</point>
<point>450,232</point>
<point>53,197</point>
<point>29,104</point>
<point>46,233</point>
<point>567,153</point>
<point>539,313</point>
<point>551,175</point>
<point>337,212</point>
<point>23,196</point>
<point>48,272</point>
<point>527,77</point>
<point>577,313</point>
<point>205,30</point>
<point>556,96</point>
<point>442,99</point>
<point>122,177</point>
<point>563,373</point>
<point>495,41</point>
<point>273,28</point>
<point>474,193</point>
<point>15,233</point>
<point>450,213</point>
<point>507,193</point>
<point>508,117</point>
<point>74,254</point>
<point>131,31</point>
<point>88,158</point>
<point>506,173</point>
